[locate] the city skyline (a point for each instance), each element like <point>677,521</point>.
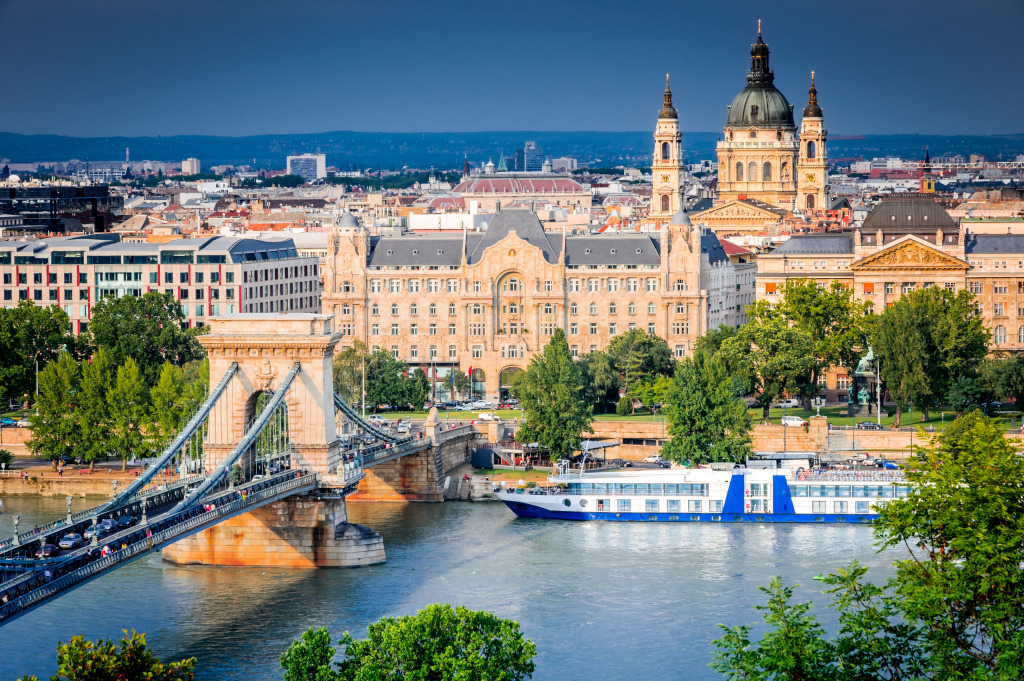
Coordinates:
<point>306,68</point>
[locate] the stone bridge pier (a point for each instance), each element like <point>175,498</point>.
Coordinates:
<point>420,476</point>
<point>303,531</point>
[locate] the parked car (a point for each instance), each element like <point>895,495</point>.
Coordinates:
<point>4,421</point>
<point>70,541</point>
<point>792,421</point>
<point>625,464</point>
<point>481,404</point>
<point>653,458</point>
<point>47,551</point>
<point>22,423</point>
<point>464,406</point>
<point>890,465</point>
<point>791,403</point>
<point>868,425</point>
<point>446,405</point>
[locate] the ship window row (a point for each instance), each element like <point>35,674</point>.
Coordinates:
<point>655,506</point>
<point>689,489</point>
<point>873,491</point>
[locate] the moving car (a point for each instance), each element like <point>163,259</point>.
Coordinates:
<point>96,530</point>
<point>403,426</point>
<point>481,404</point>
<point>125,521</point>
<point>47,551</point>
<point>108,525</point>
<point>653,458</point>
<point>70,541</point>
<point>792,421</point>
<point>868,425</point>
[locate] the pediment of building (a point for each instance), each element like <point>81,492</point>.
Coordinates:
<point>735,210</point>
<point>909,253</point>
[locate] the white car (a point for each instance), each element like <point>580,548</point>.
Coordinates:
<point>403,426</point>
<point>481,404</point>
<point>793,421</point>
<point>791,403</point>
<point>653,458</point>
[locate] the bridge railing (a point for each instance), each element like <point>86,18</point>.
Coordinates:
<point>62,526</point>
<point>192,519</point>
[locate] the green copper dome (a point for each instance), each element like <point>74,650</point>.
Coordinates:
<point>760,104</point>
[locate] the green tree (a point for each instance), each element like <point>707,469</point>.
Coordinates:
<point>94,409</point>
<point>55,431</point>
<point>773,356</point>
<point>417,389</point>
<point>707,422</point>
<point>385,380</point>
<point>653,392</point>
<point>129,658</point>
<point>30,334</point>
<point>833,319</point>
<point>167,404</point>
<point>196,387</point>
<point>953,608</point>
<point>600,379</point>
<point>348,371</point>
<point>147,329</point>
<point>638,356</point>
<point>927,340</point>
<point>439,643</point>
<point>963,394</point>
<point>309,658</point>
<point>551,391</point>
<point>455,383</point>
<point>1002,377</point>
<point>129,413</point>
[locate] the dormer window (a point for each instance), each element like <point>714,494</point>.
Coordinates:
<point>588,251</point>
<point>639,250</point>
<point>415,251</point>
<point>613,251</point>
<point>440,252</point>
<point>390,252</point>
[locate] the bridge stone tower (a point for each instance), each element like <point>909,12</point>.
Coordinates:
<point>300,531</point>
<point>266,347</point>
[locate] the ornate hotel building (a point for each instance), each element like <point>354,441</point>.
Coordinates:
<point>485,302</point>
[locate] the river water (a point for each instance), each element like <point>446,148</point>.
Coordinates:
<point>601,600</point>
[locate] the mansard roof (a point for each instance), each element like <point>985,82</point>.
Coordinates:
<point>817,244</point>
<point>608,249</point>
<point>981,244</point>
<point>907,212</point>
<point>526,226</point>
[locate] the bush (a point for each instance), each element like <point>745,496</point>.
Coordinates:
<point>6,457</point>
<point>624,406</point>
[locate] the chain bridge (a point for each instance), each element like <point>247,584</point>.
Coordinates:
<point>257,477</point>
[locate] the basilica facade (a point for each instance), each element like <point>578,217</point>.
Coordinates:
<point>765,161</point>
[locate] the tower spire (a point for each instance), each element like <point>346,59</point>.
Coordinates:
<point>759,27</point>
<point>812,109</point>
<point>667,110</point>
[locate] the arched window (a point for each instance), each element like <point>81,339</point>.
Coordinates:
<point>547,308</point>
<point>477,309</point>
<point>612,308</point>
<point>593,308</point>
<point>785,172</point>
<point>433,309</point>
<point>1000,334</point>
<point>810,149</point>
<point>574,309</point>
<point>375,309</point>
<point>810,202</point>
<point>766,172</point>
<point>413,309</point>
<point>664,203</point>
<point>513,308</point>
<point>752,172</point>
<point>394,309</point>
<point>739,172</point>
<point>1020,334</point>
<point>666,152</point>
<point>632,309</point>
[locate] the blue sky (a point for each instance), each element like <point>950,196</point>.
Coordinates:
<point>227,67</point>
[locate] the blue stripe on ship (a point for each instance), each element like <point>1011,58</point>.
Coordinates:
<point>524,510</point>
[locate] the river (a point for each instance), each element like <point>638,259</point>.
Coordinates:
<point>602,601</point>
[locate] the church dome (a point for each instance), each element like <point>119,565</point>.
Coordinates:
<point>760,104</point>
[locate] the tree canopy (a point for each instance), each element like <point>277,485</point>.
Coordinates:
<point>439,643</point>
<point>29,333</point>
<point>707,422</point>
<point>551,392</point>
<point>952,610</point>
<point>148,329</point>
<point>926,341</point>
<point>128,658</point>
<point>773,356</point>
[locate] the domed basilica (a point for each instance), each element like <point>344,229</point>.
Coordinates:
<point>761,155</point>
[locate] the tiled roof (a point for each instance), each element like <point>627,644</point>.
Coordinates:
<point>537,184</point>
<point>617,249</point>
<point>994,243</point>
<point>913,211</point>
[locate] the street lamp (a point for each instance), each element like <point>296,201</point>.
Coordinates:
<point>114,484</point>
<point>17,541</point>
<point>69,499</point>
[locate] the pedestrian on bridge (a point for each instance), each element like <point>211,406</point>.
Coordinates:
<point>48,575</point>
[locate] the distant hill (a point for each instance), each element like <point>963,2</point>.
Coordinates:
<point>445,150</point>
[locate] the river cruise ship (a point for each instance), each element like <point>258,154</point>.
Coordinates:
<point>742,495</point>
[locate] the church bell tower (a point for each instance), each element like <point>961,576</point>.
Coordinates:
<point>812,164</point>
<point>667,167</point>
